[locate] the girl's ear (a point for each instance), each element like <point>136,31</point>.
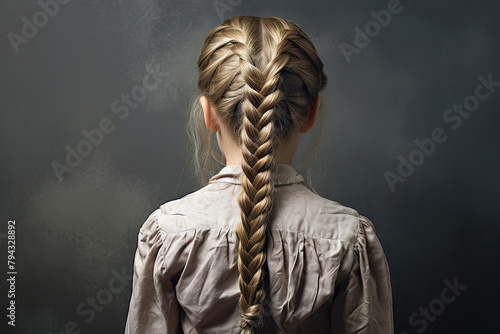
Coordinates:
<point>310,119</point>
<point>211,120</point>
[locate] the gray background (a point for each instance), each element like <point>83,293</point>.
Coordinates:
<point>73,236</point>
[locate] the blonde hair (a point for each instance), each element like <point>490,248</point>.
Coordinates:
<point>262,75</point>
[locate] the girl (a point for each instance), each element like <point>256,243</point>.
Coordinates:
<point>255,250</point>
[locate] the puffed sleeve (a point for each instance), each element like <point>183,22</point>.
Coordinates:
<point>363,303</point>
<point>153,305</point>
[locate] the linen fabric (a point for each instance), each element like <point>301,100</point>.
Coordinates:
<point>327,271</point>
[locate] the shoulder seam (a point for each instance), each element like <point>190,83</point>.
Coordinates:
<point>229,228</point>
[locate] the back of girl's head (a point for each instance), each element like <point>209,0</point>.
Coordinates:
<point>261,75</point>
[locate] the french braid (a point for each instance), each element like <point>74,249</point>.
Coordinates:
<point>262,75</point>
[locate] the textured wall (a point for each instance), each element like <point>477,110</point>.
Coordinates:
<point>121,72</point>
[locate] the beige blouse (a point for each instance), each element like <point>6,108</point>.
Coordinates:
<point>327,269</point>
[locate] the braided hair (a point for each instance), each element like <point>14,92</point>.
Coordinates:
<point>262,74</point>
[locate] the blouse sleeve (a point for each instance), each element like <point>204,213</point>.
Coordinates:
<point>153,305</point>
<point>363,303</point>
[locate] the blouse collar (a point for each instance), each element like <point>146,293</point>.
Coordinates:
<point>282,174</point>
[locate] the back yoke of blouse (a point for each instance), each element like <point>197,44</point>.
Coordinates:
<point>327,269</point>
